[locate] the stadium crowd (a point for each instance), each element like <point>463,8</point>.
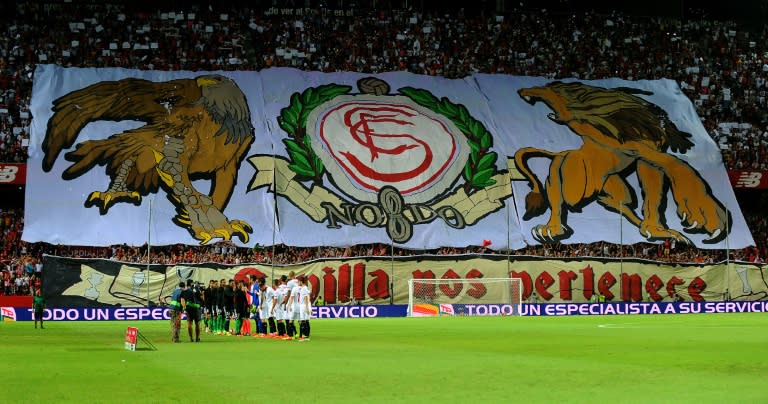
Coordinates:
<point>720,65</point>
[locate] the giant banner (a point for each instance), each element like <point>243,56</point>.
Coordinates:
<point>307,158</point>
<point>72,282</point>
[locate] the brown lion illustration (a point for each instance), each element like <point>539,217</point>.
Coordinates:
<point>622,133</point>
<point>193,129</point>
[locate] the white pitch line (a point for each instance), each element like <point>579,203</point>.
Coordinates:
<point>638,325</point>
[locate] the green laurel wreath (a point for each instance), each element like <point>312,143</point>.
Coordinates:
<point>481,165</point>
<point>293,119</point>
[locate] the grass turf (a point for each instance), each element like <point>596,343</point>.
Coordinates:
<point>665,358</point>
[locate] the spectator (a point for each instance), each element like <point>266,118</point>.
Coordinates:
<point>719,65</point>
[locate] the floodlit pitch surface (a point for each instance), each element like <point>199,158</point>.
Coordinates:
<point>673,358</point>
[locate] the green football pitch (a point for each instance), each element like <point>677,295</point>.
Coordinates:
<point>714,358</point>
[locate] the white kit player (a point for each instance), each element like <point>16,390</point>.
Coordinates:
<point>266,303</point>
<point>288,283</point>
<point>291,288</point>
<point>295,303</point>
<point>276,309</point>
<point>304,308</point>
<point>282,310</point>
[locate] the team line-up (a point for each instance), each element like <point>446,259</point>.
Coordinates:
<point>226,308</point>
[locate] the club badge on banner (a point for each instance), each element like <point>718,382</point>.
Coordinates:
<point>293,157</point>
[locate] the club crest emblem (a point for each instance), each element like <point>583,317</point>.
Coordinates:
<point>387,160</point>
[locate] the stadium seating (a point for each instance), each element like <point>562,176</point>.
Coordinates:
<point>719,65</point>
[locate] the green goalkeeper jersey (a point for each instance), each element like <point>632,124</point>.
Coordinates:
<point>38,303</point>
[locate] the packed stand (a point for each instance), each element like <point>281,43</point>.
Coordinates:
<point>719,65</point>
<point>22,262</point>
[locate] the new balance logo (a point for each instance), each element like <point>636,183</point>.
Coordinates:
<point>8,173</point>
<point>749,179</point>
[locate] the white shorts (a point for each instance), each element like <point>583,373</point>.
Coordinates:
<point>264,312</point>
<point>295,312</point>
<point>305,315</point>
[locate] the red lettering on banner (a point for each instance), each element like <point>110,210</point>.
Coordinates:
<point>314,283</point>
<point>566,277</point>
<point>421,289</point>
<point>358,284</point>
<point>631,288</point>
<point>244,273</point>
<point>344,283</point>
<point>695,288</point>
<point>353,281</point>
<point>653,285</point>
<point>379,286</point>
<point>329,286</point>
<point>543,282</point>
<point>477,290</point>
<point>589,282</point>
<point>447,290</point>
<point>674,281</point>
<point>525,278</point>
<point>604,284</point>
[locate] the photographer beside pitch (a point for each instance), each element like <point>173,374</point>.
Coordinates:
<point>176,312</point>
<point>190,302</point>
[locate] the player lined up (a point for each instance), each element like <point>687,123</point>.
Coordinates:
<point>290,303</point>
<point>229,305</point>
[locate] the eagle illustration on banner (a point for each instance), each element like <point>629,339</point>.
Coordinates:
<point>346,158</point>
<point>622,134</point>
<point>193,129</point>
